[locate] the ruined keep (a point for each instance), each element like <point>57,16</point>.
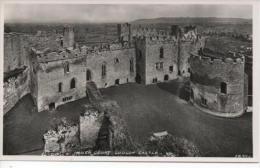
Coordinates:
<point>218,83</point>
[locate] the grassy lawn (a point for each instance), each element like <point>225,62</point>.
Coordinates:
<point>155,108</point>
<point>146,109</point>
<point>24,128</point>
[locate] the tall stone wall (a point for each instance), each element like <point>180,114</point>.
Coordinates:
<point>161,68</point>
<point>117,63</point>
<point>15,89</point>
<point>15,51</point>
<point>90,122</point>
<point>207,74</point>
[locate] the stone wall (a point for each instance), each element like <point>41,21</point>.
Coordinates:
<point>186,47</point>
<point>189,42</point>
<point>15,51</point>
<point>207,74</point>
<point>15,89</point>
<point>117,65</point>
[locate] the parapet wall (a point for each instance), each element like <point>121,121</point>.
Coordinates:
<point>47,55</point>
<point>218,85</point>
<point>204,59</point>
<point>156,40</point>
<point>15,89</point>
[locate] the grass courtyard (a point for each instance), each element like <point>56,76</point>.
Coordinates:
<point>146,109</point>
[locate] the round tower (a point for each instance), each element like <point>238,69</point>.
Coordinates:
<point>218,84</point>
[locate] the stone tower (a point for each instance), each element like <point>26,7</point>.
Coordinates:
<point>124,32</point>
<point>68,37</point>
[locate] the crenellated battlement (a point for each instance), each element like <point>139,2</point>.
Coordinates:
<point>147,31</point>
<point>71,53</point>
<point>152,40</point>
<point>214,60</point>
<point>49,56</point>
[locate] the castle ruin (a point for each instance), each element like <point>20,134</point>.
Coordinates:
<point>62,71</point>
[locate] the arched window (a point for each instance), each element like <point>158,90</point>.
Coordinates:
<point>61,43</point>
<point>66,67</point>
<point>223,87</point>
<point>131,65</point>
<point>60,87</point>
<point>161,52</point>
<point>72,83</point>
<point>139,54</point>
<point>103,70</point>
<point>116,60</point>
<point>89,77</point>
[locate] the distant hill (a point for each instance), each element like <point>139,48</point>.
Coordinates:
<point>193,20</point>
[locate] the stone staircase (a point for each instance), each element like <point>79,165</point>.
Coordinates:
<point>93,93</point>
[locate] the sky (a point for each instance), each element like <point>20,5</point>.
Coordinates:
<point>89,13</point>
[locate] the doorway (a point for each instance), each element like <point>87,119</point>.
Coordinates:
<point>117,82</point>
<point>89,77</point>
<point>52,106</point>
<point>138,78</point>
<point>166,77</point>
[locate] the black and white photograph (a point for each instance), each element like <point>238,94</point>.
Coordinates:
<point>128,80</point>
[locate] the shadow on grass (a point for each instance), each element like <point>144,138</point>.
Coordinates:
<point>180,88</point>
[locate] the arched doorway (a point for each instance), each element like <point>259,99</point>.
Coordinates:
<point>138,78</point>
<point>72,83</point>
<point>223,87</point>
<point>89,76</point>
<point>166,77</point>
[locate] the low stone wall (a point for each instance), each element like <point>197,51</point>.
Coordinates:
<point>62,139</point>
<point>15,89</point>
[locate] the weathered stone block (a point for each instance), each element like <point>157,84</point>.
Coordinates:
<point>62,139</point>
<point>90,123</point>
